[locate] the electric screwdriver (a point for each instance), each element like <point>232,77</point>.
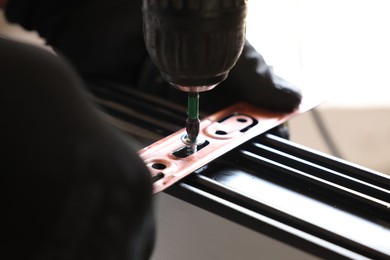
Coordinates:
<point>194,43</point>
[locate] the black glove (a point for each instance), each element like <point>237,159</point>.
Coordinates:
<point>76,189</point>
<point>252,80</point>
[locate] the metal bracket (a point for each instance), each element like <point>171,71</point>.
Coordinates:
<point>221,131</point>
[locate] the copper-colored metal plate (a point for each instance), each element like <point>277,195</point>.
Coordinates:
<point>223,131</point>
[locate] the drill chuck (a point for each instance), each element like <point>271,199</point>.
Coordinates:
<point>194,43</point>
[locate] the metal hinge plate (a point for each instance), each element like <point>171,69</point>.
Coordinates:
<point>221,131</point>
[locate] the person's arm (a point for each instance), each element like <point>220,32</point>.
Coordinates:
<point>104,41</point>
<point>76,187</point>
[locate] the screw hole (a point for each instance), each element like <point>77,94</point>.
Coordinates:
<point>241,120</point>
<point>159,166</point>
<point>220,132</point>
<point>157,177</point>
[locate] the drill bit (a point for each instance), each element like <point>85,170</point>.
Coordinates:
<point>192,122</point>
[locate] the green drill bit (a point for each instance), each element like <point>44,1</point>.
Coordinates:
<point>192,122</point>
<point>193,105</point>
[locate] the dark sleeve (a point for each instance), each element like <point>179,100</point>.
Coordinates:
<point>76,189</point>
<point>102,39</point>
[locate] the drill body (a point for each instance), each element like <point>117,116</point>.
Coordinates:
<point>194,43</point>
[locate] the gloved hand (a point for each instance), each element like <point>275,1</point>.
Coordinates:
<point>252,80</point>
<point>104,41</point>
